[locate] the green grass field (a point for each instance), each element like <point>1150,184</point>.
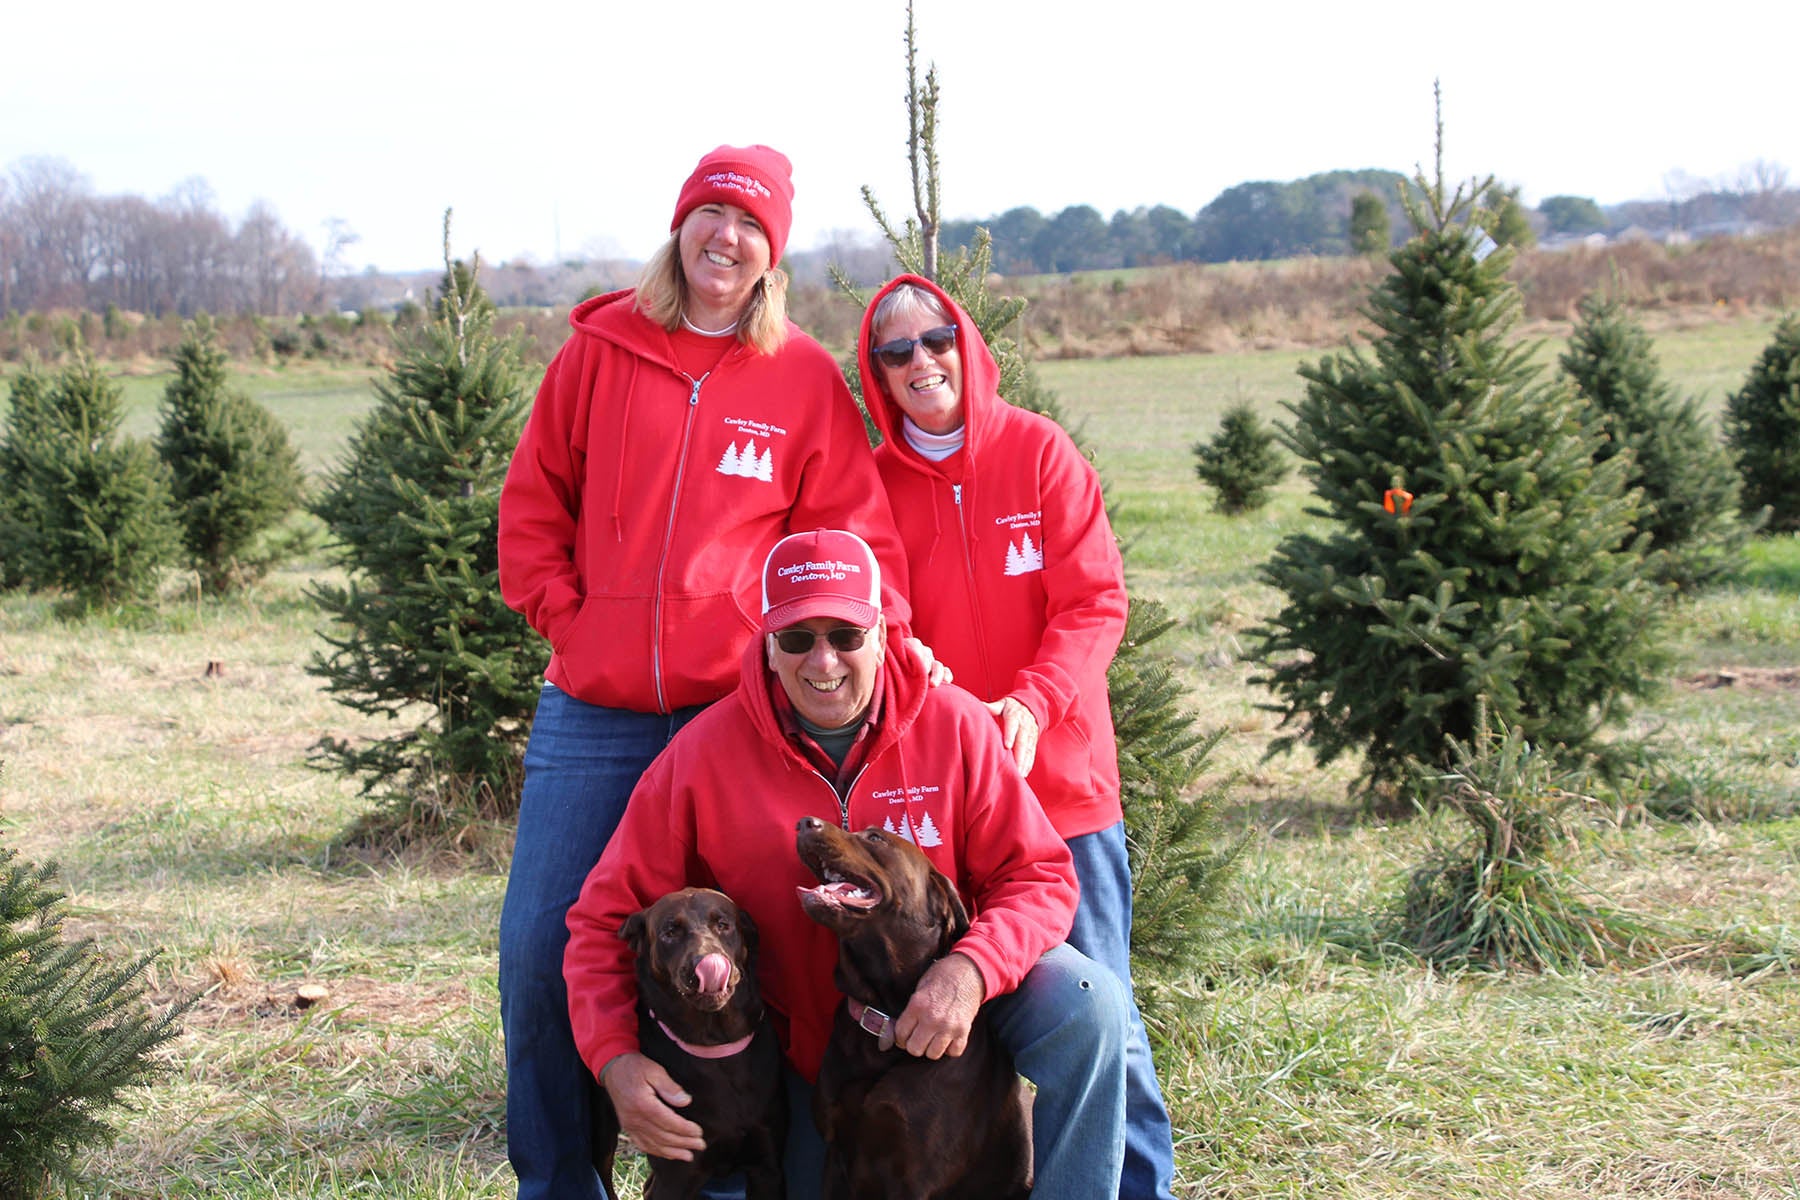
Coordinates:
<point>186,820</point>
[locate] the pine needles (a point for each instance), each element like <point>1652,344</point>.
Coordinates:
<point>75,1034</point>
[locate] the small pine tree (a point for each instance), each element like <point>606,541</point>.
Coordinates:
<point>1178,864</point>
<point>1477,557</point>
<point>1690,491</point>
<point>1371,230</point>
<point>1762,424</point>
<point>1242,463</point>
<point>414,510</point>
<point>98,520</point>
<point>75,1035</point>
<point>21,511</point>
<point>235,473</point>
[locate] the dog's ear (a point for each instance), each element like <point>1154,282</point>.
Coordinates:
<point>950,906</point>
<point>633,931</point>
<point>747,929</point>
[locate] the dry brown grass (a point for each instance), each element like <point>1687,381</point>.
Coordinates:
<point>1311,303</point>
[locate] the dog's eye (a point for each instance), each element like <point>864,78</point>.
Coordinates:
<point>723,925</point>
<point>672,932</point>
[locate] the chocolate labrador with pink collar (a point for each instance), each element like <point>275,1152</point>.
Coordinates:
<point>897,1127</point>
<point>701,1016</point>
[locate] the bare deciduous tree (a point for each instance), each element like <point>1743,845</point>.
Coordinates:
<point>61,246</point>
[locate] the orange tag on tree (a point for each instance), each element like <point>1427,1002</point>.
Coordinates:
<point>1397,500</point>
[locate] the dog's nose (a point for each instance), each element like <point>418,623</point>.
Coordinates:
<point>807,823</point>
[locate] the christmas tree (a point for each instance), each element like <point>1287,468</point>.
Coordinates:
<point>414,511</point>
<point>235,473</point>
<point>1689,502</point>
<point>75,1034</point>
<point>21,512</point>
<point>90,509</point>
<point>1241,463</point>
<point>1763,426</point>
<point>1476,556</point>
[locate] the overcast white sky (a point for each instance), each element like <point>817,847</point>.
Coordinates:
<point>568,128</point>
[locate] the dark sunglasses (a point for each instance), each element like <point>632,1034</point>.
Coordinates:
<point>899,352</point>
<point>845,639</point>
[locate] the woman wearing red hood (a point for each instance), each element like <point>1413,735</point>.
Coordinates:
<point>1018,588</point>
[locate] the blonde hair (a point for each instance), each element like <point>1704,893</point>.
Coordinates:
<point>662,296</point>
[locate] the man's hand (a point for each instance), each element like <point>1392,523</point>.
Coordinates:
<point>943,1007</point>
<point>935,671</point>
<point>642,1093</point>
<point>1018,729</point>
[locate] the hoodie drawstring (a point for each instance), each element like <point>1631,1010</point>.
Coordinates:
<point>620,443</point>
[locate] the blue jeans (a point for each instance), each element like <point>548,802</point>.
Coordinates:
<point>581,765</point>
<point>1066,1026</point>
<point>1103,932</point>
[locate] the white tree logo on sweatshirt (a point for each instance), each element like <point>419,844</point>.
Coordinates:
<point>926,835</point>
<point>747,464</point>
<point>1023,556</point>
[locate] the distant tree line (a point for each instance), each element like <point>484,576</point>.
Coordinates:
<point>1339,213</point>
<point>63,246</point>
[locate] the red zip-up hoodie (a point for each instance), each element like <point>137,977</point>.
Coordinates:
<point>1017,582</point>
<point>718,809</point>
<point>641,502</point>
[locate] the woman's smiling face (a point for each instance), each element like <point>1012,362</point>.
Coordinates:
<point>928,387</point>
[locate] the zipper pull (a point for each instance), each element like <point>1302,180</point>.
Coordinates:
<point>956,488</point>
<point>694,396</point>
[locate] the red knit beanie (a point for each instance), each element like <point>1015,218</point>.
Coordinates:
<point>757,179</point>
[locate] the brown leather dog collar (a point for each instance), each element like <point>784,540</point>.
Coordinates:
<point>872,1020</point>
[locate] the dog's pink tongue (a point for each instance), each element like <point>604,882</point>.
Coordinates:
<point>712,972</point>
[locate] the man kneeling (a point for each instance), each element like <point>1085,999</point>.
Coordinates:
<point>828,721</point>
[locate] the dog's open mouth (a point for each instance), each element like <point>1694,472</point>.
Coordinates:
<point>835,892</point>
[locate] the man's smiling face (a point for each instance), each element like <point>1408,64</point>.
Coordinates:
<point>829,687</point>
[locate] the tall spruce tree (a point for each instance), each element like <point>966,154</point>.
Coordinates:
<point>420,626</point>
<point>1179,857</point>
<point>76,1034</point>
<point>1689,504</point>
<point>93,513</point>
<point>1762,424</point>
<point>1477,557</point>
<point>235,473</point>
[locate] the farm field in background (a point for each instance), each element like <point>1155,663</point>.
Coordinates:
<point>186,820</point>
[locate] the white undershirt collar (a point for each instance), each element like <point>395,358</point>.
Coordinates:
<point>935,447</point>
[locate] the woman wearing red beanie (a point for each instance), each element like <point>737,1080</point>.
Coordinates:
<point>683,429</point>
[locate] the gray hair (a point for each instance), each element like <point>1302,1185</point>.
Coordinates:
<point>906,299</point>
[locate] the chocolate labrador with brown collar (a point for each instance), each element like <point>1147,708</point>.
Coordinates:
<point>700,1015</point>
<point>897,1126</point>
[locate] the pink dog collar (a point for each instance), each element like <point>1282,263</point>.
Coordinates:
<point>722,1051</point>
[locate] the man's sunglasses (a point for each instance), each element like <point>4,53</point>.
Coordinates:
<point>845,639</point>
<point>899,352</point>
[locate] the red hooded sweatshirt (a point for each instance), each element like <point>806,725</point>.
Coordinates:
<point>640,503</point>
<point>1016,578</point>
<point>718,809</point>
